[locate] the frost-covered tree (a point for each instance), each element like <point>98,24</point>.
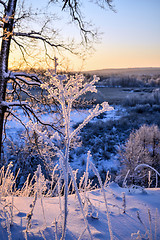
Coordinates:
<point>65,90</point>
<point>142,147</point>
<point>16,26</point>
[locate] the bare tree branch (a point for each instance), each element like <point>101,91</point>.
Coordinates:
<point>103,3</point>
<point>28,82</point>
<point>76,16</point>
<point>22,90</point>
<point>23,16</point>
<point>30,95</point>
<point>27,107</point>
<point>38,36</point>
<point>4,128</point>
<point>22,49</point>
<point>11,104</point>
<point>75,13</point>
<point>11,113</point>
<point>22,75</point>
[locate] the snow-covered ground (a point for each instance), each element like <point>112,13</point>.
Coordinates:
<point>142,216</point>
<point>13,126</point>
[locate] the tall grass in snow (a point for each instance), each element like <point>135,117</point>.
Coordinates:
<point>104,195</point>
<point>38,188</point>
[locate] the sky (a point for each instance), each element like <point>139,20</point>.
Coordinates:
<point>130,36</point>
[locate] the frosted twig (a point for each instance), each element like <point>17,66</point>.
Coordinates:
<point>139,218</point>
<point>80,202</point>
<point>56,231</point>
<point>5,177</point>
<point>148,166</point>
<point>124,184</point>
<point>41,231</point>
<point>124,202</point>
<point>80,237</point>
<point>59,196</point>
<point>30,214</point>
<point>150,223</point>
<point>104,195</point>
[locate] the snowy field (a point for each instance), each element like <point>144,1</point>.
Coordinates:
<point>13,126</point>
<point>140,220</point>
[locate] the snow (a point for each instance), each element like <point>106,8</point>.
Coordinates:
<point>13,126</point>
<point>123,224</point>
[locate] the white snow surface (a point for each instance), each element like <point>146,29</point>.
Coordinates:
<point>13,126</point>
<point>123,224</point>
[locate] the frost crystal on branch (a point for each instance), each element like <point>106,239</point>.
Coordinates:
<point>66,90</point>
<point>70,88</point>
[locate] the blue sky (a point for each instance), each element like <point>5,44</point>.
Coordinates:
<point>131,36</point>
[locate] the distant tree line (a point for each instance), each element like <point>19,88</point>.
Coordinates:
<point>130,81</point>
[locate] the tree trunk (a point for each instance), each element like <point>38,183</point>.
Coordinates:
<point>8,24</point>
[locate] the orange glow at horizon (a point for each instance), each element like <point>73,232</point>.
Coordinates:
<point>103,58</point>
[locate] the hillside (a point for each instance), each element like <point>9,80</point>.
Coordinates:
<point>125,71</point>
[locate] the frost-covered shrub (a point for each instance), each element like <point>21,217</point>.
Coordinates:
<point>151,99</point>
<point>7,181</point>
<point>26,155</point>
<point>142,147</point>
<point>156,96</point>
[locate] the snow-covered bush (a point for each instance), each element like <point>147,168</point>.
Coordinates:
<point>142,147</point>
<point>26,152</point>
